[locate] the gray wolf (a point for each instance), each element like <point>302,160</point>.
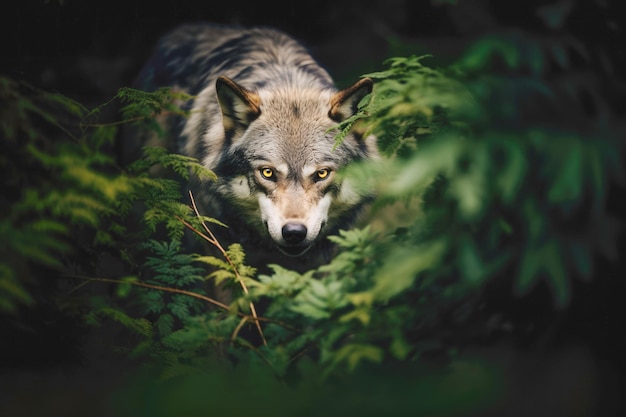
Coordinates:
<point>262,119</point>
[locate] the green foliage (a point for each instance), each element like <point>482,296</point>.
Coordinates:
<point>180,164</point>
<point>100,309</point>
<point>142,107</point>
<point>232,268</point>
<point>509,195</point>
<point>170,268</point>
<point>65,190</point>
<point>493,172</point>
<point>48,187</point>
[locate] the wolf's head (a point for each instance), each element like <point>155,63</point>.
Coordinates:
<point>279,165</point>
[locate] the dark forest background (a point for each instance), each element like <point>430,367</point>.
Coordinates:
<point>87,50</point>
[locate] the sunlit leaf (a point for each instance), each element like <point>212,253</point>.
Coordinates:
<point>403,266</point>
<point>354,353</point>
<point>123,289</point>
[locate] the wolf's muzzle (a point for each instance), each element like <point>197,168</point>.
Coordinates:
<point>294,233</point>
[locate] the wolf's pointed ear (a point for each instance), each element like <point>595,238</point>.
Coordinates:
<point>344,103</point>
<point>240,107</point>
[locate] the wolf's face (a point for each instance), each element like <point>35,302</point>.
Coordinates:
<point>293,205</point>
<point>279,165</point>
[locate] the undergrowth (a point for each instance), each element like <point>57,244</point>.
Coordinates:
<point>486,180</point>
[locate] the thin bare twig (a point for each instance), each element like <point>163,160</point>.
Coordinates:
<point>156,287</point>
<point>210,237</point>
<point>183,292</point>
<point>116,123</point>
<point>233,337</point>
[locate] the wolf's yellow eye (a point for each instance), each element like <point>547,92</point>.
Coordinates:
<point>322,174</point>
<point>267,173</point>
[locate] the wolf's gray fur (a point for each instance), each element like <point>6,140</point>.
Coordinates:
<point>262,120</point>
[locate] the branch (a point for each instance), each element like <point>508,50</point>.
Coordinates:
<point>152,116</point>
<point>158,287</point>
<point>210,237</point>
<point>183,292</point>
<point>233,337</point>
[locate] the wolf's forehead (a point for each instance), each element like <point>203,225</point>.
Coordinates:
<point>295,103</point>
<point>294,128</point>
<point>298,153</point>
<point>300,125</point>
<point>297,157</point>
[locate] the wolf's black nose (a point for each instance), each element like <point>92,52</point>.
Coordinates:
<point>294,233</point>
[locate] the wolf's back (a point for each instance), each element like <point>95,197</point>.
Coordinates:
<point>192,56</point>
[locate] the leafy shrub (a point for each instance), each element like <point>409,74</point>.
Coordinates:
<point>491,175</point>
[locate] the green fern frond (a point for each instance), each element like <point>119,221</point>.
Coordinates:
<point>144,105</point>
<point>139,326</point>
<point>180,164</point>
